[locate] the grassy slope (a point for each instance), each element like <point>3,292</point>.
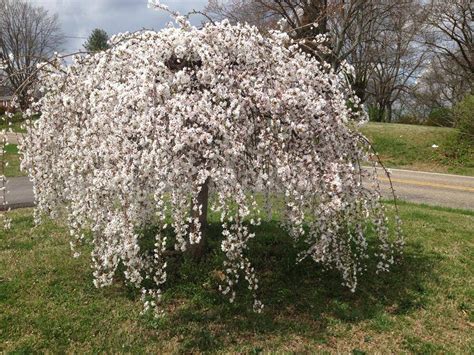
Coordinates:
<point>410,147</point>
<point>48,301</point>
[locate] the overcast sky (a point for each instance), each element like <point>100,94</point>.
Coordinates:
<point>79,17</point>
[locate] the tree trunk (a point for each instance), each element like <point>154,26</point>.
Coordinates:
<point>360,89</point>
<point>197,250</point>
<point>388,113</point>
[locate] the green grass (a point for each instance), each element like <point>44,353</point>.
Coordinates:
<point>16,123</point>
<point>410,147</point>
<point>12,160</point>
<point>48,302</point>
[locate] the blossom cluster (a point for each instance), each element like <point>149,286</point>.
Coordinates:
<point>129,136</point>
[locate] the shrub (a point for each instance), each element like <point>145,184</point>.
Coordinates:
<point>440,117</point>
<point>374,114</point>
<point>464,118</point>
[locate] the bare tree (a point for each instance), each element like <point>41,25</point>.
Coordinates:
<point>28,36</point>
<point>397,57</point>
<point>358,37</point>
<point>440,85</point>
<point>447,75</point>
<point>243,11</point>
<point>450,35</point>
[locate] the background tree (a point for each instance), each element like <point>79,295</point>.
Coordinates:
<point>397,57</point>
<point>447,76</point>
<point>358,38</point>
<point>355,32</point>
<point>450,35</point>
<point>97,41</point>
<point>439,87</point>
<point>28,35</point>
<point>345,24</point>
<point>441,84</point>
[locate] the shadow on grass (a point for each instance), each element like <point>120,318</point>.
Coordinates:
<point>300,299</point>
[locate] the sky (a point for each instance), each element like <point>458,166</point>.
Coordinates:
<point>79,17</point>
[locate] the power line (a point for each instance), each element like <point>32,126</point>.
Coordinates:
<point>75,37</point>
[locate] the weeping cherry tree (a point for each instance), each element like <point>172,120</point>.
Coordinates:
<point>141,133</point>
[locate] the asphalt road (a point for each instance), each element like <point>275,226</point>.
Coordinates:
<point>431,188</point>
<point>19,193</point>
<point>434,189</point>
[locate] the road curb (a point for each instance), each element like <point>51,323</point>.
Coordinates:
<point>14,206</point>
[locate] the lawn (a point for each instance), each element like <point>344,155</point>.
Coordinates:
<point>411,147</point>
<point>15,124</point>
<point>12,161</point>
<point>12,158</point>
<point>425,305</point>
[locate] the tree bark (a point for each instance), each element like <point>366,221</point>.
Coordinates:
<point>389,113</point>
<point>197,250</point>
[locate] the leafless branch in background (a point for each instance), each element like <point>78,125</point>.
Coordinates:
<point>397,57</point>
<point>450,34</point>
<point>28,35</point>
<point>356,30</point>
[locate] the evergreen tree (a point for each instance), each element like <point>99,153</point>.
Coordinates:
<point>97,41</point>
